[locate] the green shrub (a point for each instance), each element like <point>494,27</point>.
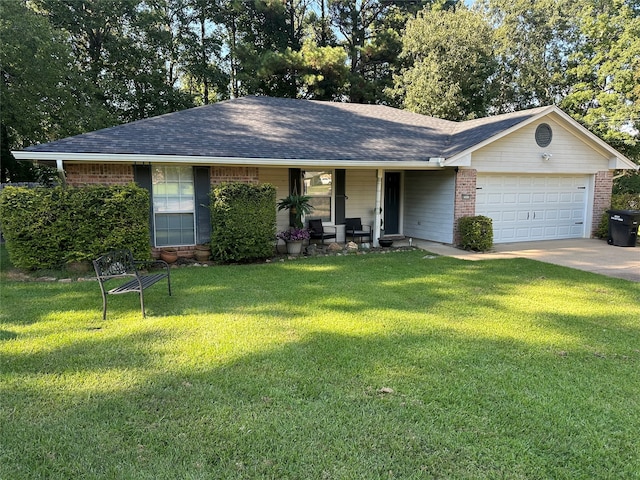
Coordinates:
<point>476,233</point>
<point>48,227</point>
<point>623,201</point>
<point>243,219</point>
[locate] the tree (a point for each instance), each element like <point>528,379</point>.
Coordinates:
<point>123,47</point>
<point>532,43</point>
<point>43,96</point>
<point>603,73</point>
<point>451,62</point>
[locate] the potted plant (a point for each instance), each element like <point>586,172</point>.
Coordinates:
<point>78,262</point>
<point>294,237</point>
<point>298,206</point>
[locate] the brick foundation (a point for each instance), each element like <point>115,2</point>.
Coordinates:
<point>78,175</point>
<point>601,197</point>
<point>465,199</point>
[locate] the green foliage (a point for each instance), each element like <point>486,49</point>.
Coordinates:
<point>621,201</point>
<point>47,227</point>
<point>628,183</point>
<point>451,63</point>
<point>243,219</point>
<point>476,233</point>
<point>298,206</point>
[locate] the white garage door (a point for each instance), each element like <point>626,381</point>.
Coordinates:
<point>533,207</point>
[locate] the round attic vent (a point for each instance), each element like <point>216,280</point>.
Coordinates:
<point>543,135</point>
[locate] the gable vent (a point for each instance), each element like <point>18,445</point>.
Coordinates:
<point>543,135</point>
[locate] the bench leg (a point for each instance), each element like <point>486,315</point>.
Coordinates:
<point>142,304</point>
<point>104,306</point>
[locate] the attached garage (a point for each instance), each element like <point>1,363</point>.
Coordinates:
<point>534,207</point>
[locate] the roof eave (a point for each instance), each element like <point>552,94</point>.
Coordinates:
<point>202,160</point>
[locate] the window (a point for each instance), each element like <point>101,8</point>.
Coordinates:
<point>319,186</point>
<point>173,205</point>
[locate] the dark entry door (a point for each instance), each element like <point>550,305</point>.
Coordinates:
<point>391,224</point>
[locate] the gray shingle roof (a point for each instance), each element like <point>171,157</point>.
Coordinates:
<point>279,128</point>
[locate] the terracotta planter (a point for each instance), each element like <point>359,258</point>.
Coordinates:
<point>202,253</point>
<point>169,255</point>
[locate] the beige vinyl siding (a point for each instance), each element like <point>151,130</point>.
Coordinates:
<point>429,203</point>
<point>279,178</point>
<point>361,190</point>
<point>519,153</point>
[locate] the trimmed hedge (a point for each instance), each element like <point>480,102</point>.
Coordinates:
<point>243,219</point>
<point>476,233</point>
<point>48,227</point>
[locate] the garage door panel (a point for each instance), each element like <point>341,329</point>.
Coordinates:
<point>533,207</point>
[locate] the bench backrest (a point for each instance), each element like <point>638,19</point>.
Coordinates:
<point>115,264</point>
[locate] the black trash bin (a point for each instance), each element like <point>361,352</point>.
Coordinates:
<point>623,227</point>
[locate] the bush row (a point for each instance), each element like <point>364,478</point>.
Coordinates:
<point>243,219</point>
<point>48,227</point>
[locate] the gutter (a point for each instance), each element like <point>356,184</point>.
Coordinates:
<point>431,163</point>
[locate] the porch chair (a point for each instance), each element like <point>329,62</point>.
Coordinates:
<point>317,230</point>
<point>355,229</point>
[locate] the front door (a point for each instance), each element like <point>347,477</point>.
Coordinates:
<point>391,225</point>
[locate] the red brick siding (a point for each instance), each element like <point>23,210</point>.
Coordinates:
<point>465,199</point>
<point>601,197</point>
<point>78,175</point>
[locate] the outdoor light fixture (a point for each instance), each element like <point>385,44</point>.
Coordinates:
<point>546,156</point>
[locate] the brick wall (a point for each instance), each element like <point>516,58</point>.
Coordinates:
<point>234,174</point>
<point>78,175</point>
<point>601,197</point>
<point>465,199</point>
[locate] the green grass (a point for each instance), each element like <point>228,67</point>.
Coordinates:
<point>373,366</point>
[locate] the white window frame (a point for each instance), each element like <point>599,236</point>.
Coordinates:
<point>167,211</point>
<point>331,197</point>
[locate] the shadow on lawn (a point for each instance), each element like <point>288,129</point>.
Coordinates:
<point>438,404</point>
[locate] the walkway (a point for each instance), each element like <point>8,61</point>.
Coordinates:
<point>591,255</point>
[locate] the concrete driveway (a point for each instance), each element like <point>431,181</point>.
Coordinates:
<point>591,255</point>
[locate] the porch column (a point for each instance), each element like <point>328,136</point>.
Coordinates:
<point>378,210</point>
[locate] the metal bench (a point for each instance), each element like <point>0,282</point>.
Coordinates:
<point>121,265</point>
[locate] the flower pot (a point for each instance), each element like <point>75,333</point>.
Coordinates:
<point>294,247</point>
<point>202,253</point>
<point>82,266</point>
<point>169,255</point>
<point>385,242</point>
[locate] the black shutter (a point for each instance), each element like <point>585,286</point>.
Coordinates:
<point>202,186</point>
<point>341,195</point>
<point>142,177</point>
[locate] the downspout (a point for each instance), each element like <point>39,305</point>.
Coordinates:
<point>378,210</point>
<point>60,168</point>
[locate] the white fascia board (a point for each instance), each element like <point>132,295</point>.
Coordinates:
<point>617,163</point>
<point>459,161</point>
<point>193,160</point>
<point>466,154</point>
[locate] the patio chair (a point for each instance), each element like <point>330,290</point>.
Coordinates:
<point>355,229</point>
<point>318,232</point>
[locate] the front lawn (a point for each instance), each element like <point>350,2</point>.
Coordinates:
<point>375,366</point>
